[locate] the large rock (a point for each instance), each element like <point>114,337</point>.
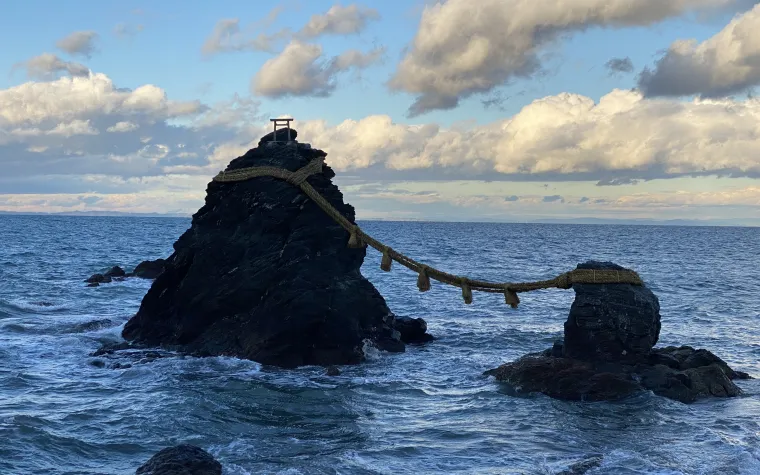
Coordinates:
<point>612,321</point>
<point>181,460</point>
<point>608,353</point>
<point>696,374</point>
<point>263,273</point>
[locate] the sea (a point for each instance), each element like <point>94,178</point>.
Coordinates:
<point>429,410</point>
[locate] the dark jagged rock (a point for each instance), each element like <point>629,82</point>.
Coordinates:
<point>608,353</point>
<point>413,330</point>
<point>264,274</point>
<point>611,322</point>
<point>115,271</point>
<point>149,269</point>
<point>695,375</point>
<point>99,279</point>
<point>332,371</point>
<point>181,460</point>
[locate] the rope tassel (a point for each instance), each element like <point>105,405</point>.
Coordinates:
<point>423,280</point>
<point>355,242</point>
<point>510,296</point>
<point>466,291</point>
<point>385,264</point>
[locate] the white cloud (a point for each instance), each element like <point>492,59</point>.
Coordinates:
<point>123,126</point>
<point>75,127</point>
<point>725,64</point>
<point>339,20</point>
<point>79,43</point>
<point>464,47</point>
<point>301,70</point>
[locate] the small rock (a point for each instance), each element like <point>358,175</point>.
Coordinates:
<point>98,363</point>
<point>115,271</point>
<point>149,269</point>
<point>181,460</point>
<point>95,279</point>
<point>333,371</point>
<point>413,330</point>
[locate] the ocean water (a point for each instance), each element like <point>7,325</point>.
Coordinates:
<point>428,410</point>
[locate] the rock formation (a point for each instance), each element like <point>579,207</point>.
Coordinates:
<point>608,352</point>
<point>181,460</point>
<point>264,274</point>
<point>144,270</point>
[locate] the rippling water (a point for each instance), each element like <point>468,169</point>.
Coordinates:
<point>428,410</point>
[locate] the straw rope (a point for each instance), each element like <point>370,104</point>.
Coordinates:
<point>358,238</point>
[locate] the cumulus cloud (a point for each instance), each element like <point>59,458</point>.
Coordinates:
<point>725,64</point>
<point>564,137</point>
<point>302,70</point>
<point>81,134</point>
<point>339,20</point>
<point>48,66</point>
<point>227,36</point>
<point>619,65</point>
<point>463,47</point>
<point>85,125</point>
<point>79,43</point>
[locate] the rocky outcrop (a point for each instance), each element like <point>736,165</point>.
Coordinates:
<point>611,322</point>
<point>265,274</point>
<point>412,330</point>
<point>144,270</point>
<point>608,353</point>
<point>181,460</point>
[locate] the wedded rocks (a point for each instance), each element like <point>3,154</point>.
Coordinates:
<point>181,460</point>
<point>264,274</point>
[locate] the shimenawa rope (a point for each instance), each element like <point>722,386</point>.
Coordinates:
<point>359,238</point>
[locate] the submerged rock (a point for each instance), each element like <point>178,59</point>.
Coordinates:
<point>264,274</point>
<point>181,460</point>
<point>608,353</point>
<point>144,270</point>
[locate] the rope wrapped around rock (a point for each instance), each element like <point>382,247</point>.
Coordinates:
<point>359,238</point>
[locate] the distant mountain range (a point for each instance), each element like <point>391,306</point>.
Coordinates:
<point>589,220</point>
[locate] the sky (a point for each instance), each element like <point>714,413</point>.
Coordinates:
<point>495,110</point>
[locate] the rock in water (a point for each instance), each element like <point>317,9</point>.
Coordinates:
<point>181,460</point>
<point>149,269</point>
<point>264,274</point>
<point>611,322</point>
<point>608,353</point>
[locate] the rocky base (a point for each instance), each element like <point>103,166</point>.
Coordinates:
<point>181,460</point>
<point>681,373</point>
<point>144,270</point>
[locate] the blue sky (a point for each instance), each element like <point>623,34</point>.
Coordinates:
<point>163,48</point>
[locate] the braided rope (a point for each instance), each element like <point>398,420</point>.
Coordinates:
<point>359,238</point>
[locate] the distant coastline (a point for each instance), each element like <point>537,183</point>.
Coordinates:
<point>570,221</point>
